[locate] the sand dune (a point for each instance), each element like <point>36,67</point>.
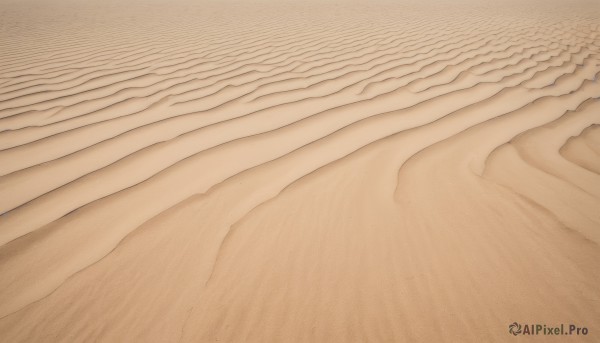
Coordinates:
<point>308,171</point>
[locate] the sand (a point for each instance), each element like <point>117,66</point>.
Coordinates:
<point>296,171</point>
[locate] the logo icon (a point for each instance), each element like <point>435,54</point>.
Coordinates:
<point>514,328</point>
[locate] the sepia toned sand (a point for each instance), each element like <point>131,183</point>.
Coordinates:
<point>298,171</point>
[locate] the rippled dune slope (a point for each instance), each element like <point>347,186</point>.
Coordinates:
<point>294,171</point>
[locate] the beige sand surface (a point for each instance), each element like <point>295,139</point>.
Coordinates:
<point>295,171</point>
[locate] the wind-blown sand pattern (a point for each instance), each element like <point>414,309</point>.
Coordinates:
<point>357,171</point>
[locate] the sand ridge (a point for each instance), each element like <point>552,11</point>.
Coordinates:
<point>310,171</point>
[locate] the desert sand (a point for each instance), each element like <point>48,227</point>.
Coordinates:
<point>298,171</point>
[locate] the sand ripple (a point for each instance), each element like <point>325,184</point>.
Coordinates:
<point>297,171</point>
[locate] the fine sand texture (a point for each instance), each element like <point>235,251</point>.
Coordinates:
<point>298,171</point>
